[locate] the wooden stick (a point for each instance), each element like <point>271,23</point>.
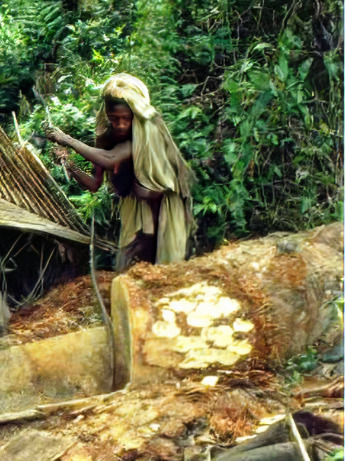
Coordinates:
<point>105,316</point>
<point>298,438</point>
<point>26,415</point>
<point>16,126</point>
<point>43,411</point>
<point>336,384</point>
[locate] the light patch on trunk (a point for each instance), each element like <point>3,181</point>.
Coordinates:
<point>196,290</point>
<point>168,316</point>
<point>210,341</point>
<point>240,347</point>
<point>220,336</point>
<point>182,305</point>
<point>202,358</point>
<point>164,329</point>
<point>194,319</point>
<point>210,381</point>
<point>188,343</point>
<point>242,325</point>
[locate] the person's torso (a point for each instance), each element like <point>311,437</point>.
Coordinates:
<point>122,180</point>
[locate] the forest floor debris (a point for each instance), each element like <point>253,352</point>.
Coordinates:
<point>67,307</point>
<point>187,414</point>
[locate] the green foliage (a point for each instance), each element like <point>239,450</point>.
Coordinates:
<point>300,365</point>
<point>95,204</point>
<point>305,362</point>
<point>337,455</point>
<point>251,91</point>
<point>27,34</point>
<point>275,149</point>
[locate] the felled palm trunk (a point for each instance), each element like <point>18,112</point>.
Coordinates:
<point>195,339</point>
<point>255,302</point>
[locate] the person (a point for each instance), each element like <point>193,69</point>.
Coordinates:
<point>147,172</point>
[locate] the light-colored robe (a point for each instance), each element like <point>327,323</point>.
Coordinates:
<point>159,167</point>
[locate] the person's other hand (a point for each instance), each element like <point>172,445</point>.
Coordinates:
<point>61,154</point>
<point>58,136</point>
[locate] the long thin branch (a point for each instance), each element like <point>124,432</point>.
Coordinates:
<point>33,293</point>
<point>16,127</point>
<point>43,411</point>
<point>298,438</point>
<point>105,316</point>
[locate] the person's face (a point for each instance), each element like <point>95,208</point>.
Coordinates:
<point>120,117</point>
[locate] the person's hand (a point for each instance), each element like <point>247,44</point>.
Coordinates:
<point>61,154</point>
<point>58,136</point>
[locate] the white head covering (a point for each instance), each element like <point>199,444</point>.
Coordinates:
<point>132,91</point>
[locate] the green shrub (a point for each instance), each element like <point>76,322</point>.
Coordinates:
<point>251,91</point>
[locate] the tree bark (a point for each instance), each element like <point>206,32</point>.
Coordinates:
<point>200,342</point>
<point>247,304</point>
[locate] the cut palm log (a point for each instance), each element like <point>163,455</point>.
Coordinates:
<point>75,364</point>
<point>5,313</point>
<point>199,341</point>
<point>259,301</point>
<point>227,314</point>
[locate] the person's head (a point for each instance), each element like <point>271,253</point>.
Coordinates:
<point>129,90</point>
<point>120,118</point>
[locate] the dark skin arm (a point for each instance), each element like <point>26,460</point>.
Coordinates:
<point>102,159</point>
<point>106,159</point>
<point>91,183</point>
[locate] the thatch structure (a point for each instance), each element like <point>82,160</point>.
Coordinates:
<point>27,184</point>
<point>15,217</point>
<point>36,220</point>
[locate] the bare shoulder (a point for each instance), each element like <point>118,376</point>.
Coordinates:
<point>120,151</point>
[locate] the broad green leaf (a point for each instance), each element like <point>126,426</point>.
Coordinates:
<point>332,64</point>
<point>278,72</point>
<point>260,80</point>
<point>245,128</point>
<point>231,153</point>
<point>246,65</point>
<point>188,89</point>
<point>304,68</point>
<point>260,104</point>
<point>262,46</point>
<point>283,64</point>
<point>306,204</point>
<point>277,171</point>
<point>197,208</point>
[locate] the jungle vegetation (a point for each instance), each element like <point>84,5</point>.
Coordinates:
<point>252,92</point>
